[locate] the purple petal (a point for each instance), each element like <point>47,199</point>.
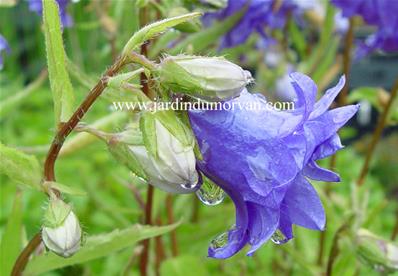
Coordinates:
<point>313,171</point>
<point>324,103</point>
<point>263,222</point>
<point>304,206</point>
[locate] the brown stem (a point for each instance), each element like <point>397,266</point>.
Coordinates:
<point>349,38</point>
<point>64,130</point>
<point>195,210</point>
<point>394,233</point>
<point>377,134</point>
<point>148,220</point>
<point>160,254</point>
<point>170,220</point>
<point>334,250</point>
<point>23,258</point>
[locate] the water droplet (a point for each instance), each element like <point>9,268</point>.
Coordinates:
<point>210,194</point>
<point>188,185</point>
<point>219,241</point>
<point>279,238</point>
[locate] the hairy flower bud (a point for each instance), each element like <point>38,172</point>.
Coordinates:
<point>61,232</point>
<point>382,255</point>
<point>209,78</point>
<point>158,149</point>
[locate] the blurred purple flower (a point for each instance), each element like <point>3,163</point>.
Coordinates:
<point>262,159</point>
<point>3,47</point>
<point>259,15</point>
<point>66,19</point>
<point>380,13</point>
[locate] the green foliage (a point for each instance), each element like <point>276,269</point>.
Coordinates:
<point>61,86</point>
<point>97,247</point>
<point>155,29</point>
<point>11,241</point>
<point>183,265</point>
<point>22,168</point>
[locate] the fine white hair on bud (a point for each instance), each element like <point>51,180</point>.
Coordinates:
<point>61,232</point>
<point>209,78</point>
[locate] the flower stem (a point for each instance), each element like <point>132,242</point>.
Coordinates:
<point>170,220</point>
<point>23,258</point>
<point>349,38</point>
<point>377,134</point>
<point>148,220</point>
<point>64,130</point>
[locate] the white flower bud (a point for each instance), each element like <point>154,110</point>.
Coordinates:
<point>209,78</point>
<point>173,169</point>
<point>61,233</point>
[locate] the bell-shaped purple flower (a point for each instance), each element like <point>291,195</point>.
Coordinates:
<point>3,47</point>
<point>262,158</point>
<point>380,13</point>
<point>66,19</point>
<point>259,15</point>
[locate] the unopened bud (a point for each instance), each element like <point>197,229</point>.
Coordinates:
<point>209,78</point>
<point>61,232</point>
<point>382,255</point>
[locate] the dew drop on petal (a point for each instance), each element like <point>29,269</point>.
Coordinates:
<point>219,241</point>
<point>279,238</point>
<point>210,194</point>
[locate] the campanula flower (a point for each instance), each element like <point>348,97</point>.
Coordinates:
<point>263,158</point>
<point>259,15</point>
<point>3,47</point>
<point>380,13</point>
<point>66,19</point>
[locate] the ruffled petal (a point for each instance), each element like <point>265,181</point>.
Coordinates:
<point>306,90</point>
<point>304,206</point>
<point>238,236</point>
<point>324,103</point>
<point>313,171</point>
<point>263,222</point>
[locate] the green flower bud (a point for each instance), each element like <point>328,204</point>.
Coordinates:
<point>382,255</point>
<point>209,78</point>
<point>158,149</point>
<point>61,232</point>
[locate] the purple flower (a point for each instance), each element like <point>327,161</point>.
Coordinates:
<point>3,47</point>
<point>66,19</point>
<point>260,14</point>
<point>380,13</point>
<point>262,158</point>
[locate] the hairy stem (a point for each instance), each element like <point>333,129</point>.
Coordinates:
<point>64,130</point>
<point>377,134</point>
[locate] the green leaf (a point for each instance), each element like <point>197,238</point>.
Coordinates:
<point>97,247</point>
<point>203,39</point>
<point>11,103</point>
<point>155,29</point>
<point>183,265</point>
<point>11,242</point>
<point>61,86</point>
<point>20,167</point>
<point>65,189</point>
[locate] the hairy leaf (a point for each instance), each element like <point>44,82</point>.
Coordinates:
<point>56,61</point>
<point>20,167</point>
<point>11,241</point>
<point>97,247</point>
